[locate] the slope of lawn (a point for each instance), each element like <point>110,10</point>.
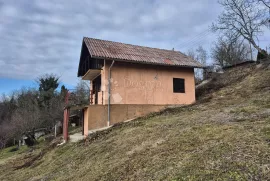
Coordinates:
<point>225,135</point>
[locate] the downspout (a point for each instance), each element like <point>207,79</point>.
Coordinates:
<point>109,93</point>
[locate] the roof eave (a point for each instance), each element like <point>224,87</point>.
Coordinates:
<point>83,42</point>
<point>148,63</point>
<point>80,59</point>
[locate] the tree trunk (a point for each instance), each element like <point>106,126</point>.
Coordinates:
<point>55,130</point>
<point>2,144</point>
<point>20,143</point>
<point>257,47</point>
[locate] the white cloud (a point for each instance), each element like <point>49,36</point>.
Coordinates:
<point>39,37</point>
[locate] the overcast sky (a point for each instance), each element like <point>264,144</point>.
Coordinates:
<point>45,36</point>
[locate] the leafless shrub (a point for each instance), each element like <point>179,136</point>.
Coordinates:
<point>230,51</point>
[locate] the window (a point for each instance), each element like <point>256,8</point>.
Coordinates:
<point>178,85</point>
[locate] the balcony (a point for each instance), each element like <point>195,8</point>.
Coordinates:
<point>89,68</point>
<point>91,74</point>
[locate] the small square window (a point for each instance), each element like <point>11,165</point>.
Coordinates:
<point>178,85</point>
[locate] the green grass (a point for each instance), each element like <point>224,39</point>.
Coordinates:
<point>6,152</point>
<point>226,137</point>
<point>248,109</point>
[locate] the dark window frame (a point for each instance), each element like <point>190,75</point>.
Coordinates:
<point>179,85</point>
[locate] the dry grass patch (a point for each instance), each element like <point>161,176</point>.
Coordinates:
<point>225,136</point>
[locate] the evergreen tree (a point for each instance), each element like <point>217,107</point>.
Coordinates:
<point>47,87</point>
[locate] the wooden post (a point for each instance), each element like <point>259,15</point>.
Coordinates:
<point>91,96</point>
<point>66,117</point>
<point>65,124</point>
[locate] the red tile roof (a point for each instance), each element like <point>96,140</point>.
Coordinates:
<point>140,54</point>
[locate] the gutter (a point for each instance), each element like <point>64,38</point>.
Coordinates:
<point>109,93</point>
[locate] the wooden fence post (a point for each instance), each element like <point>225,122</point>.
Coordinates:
<point>65,124</point>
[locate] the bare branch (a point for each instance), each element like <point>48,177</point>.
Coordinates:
<point>242,18</point>
<point>230,50</point>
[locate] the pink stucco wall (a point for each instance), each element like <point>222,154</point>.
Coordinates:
<point>146,84</point>
<point>96,116</point>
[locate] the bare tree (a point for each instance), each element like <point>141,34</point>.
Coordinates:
<point>264,2</point>
<point>6,134</point>
<point>242,18</point>
<point>82,92</point>
<point>24,111</point>
<point>27,116</point>
<point>230,51</point>
<point>53,113</point>
<point>200,54</point>
<point>7,108</point>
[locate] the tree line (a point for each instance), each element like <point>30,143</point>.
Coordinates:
<point>29,109</point>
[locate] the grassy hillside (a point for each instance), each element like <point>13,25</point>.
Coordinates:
<point>225,135</point>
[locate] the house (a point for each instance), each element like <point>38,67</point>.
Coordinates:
<point>128,81</point>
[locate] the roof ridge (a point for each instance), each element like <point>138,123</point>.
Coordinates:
<point>134,45</point>
<point>127,52</point>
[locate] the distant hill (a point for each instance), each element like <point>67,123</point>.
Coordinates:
<point>225,135</point>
